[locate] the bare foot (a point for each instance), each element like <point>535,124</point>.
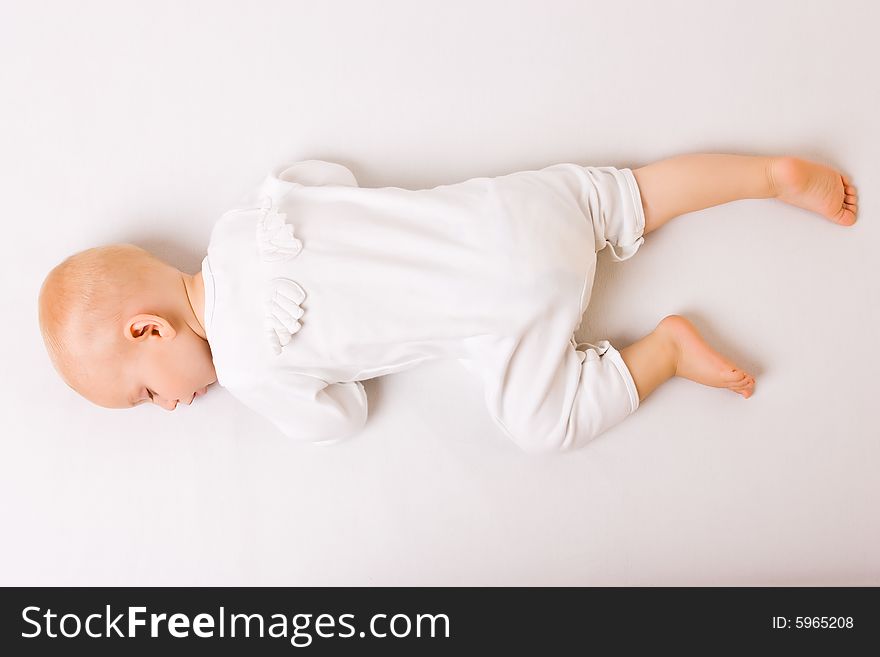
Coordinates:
<point>697,361</point>
<point>814,187</point>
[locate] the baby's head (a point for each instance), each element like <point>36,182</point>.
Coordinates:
<point>123,327</point>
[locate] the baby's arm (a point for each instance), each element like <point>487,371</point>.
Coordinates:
<point>687,183</point>
<point>307,409</point>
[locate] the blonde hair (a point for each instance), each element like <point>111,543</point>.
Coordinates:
<point>81,302</point>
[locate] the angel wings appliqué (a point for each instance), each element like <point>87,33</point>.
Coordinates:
<point>276,243</point>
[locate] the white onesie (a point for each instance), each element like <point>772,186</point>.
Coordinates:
<point>315,284</point>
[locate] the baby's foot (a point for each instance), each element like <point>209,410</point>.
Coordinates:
<point>697,361</point>
<point>814,187</point>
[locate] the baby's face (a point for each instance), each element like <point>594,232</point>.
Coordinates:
<point>161,369</point>
<point>167,372</point>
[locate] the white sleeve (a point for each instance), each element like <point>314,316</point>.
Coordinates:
<point>317,173</point>
<point>308,409</point>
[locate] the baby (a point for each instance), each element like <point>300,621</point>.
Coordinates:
<point>314,284</point>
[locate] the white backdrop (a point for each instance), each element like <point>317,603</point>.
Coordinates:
<point>143,122</point>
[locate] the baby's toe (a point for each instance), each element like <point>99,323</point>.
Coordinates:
<point>847,215</point>
<point>745,384</point>
<point>746,390</point>
<point>850,197</point>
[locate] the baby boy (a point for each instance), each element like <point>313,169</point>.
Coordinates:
<point>314,284</point>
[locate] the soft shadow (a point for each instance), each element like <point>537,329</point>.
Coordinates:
<point>375,394</point>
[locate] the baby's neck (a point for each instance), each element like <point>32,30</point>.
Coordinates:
<point>195,292</point>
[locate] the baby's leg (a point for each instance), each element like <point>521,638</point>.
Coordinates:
<point>675,348</point>
<point>687,183</point>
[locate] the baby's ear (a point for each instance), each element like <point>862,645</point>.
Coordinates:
<point>141,327</point>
